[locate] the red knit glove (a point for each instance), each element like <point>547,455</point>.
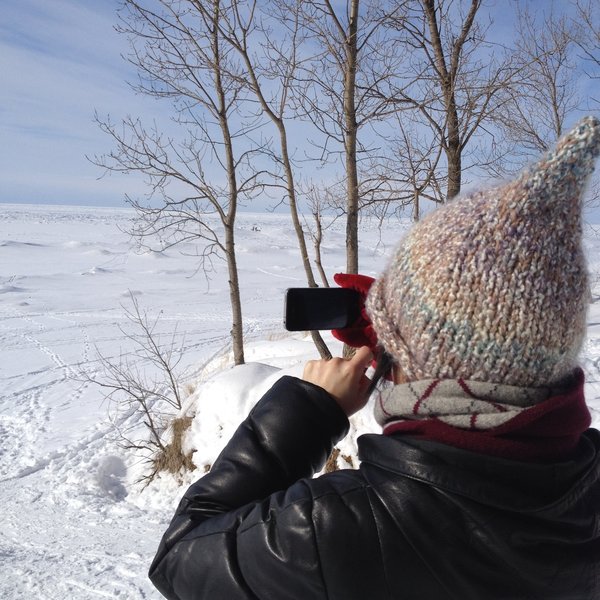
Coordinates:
<point>361,332</point>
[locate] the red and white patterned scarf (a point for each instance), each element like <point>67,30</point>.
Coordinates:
<point>521,423</point>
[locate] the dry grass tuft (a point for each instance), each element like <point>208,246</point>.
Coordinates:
<point>332,462</point>
<point>172,459</point>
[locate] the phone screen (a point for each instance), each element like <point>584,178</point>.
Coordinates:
<point>308,309</point>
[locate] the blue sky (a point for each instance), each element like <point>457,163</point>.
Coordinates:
<point>60,60</point>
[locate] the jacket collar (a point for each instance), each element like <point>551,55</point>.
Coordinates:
<point>495,481</point>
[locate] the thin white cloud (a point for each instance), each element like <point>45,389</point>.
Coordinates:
<point>59,62</point>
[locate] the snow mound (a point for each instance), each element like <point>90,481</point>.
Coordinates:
<point>221,404</point>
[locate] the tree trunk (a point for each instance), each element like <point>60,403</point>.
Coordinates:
<point>291,192</point>
<point>454,158</point>
<point>351,142</point>
<point>237,331</point>
<point>318,240</point>
<point>289,174</point>
<point>417,208</point>
<point>447,78</point>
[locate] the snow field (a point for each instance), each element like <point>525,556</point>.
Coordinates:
<point>74,522</point>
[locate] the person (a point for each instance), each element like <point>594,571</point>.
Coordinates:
<point>485,481</point>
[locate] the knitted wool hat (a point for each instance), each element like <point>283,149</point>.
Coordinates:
<point>493,286</point>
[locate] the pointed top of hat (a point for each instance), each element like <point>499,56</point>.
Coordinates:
<point>563,171</point>
<point>493,286</point>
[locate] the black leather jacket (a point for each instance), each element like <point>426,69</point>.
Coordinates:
<point>418,520</point>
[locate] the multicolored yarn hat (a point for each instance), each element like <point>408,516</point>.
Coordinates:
<point>493,286</point>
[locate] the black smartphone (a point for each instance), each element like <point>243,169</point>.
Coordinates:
<point>307,309</point>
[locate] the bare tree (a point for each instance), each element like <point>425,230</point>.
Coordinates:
<point>268,76</point>
<point>146,381</point>
<point>333,90</point>
<point>451,79</point>
<point>588,42</point>
<point>544,96</point>
<point>324,207</point>
<point>588,16</point>
<point>198,181</point>
<point>408,174</point>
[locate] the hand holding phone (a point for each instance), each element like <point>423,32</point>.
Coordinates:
<point>343,378</point>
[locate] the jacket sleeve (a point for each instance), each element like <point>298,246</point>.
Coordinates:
<point>210,549</point>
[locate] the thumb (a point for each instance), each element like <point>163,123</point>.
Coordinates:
<point>362,358</point>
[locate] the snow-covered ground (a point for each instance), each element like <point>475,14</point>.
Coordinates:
<point>74,523</point>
